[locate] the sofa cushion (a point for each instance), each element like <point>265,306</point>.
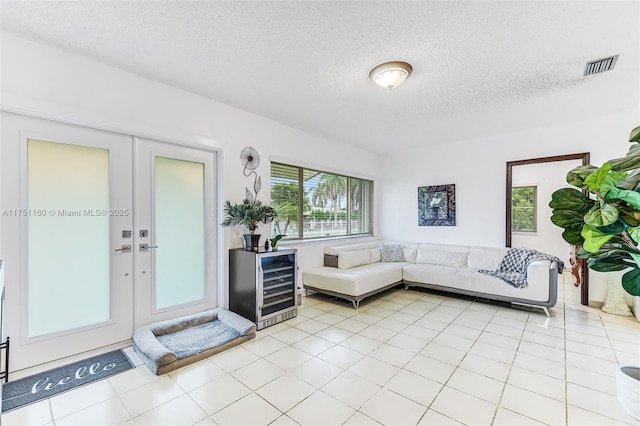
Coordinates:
<point>443,255</point>
<point>410,252</point>
<point>487,258</point>
<point>375,255</point>
<point>471,281</point>
<point>350,259</point>
<point>334,250</point>
<point>391,252</point>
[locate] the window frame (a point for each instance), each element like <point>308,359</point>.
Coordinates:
<point>367,221</point>
<point>534,207</point>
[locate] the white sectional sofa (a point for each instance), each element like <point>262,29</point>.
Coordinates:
<point>357,271</point>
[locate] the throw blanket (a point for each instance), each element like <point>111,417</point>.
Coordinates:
<point>513,267</point>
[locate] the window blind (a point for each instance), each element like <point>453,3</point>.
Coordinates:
<point>316,204</point>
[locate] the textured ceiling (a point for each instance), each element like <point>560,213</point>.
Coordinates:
<point>480,67</point>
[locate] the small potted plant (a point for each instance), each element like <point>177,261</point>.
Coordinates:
<point>274,241</point>
<point>250,214</point>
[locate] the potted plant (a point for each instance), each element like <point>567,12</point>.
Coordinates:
<point>250,214</point>
<point>605,224</point>
<point>274,241</point>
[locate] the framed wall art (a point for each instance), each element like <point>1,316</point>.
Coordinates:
<point>437,205</point>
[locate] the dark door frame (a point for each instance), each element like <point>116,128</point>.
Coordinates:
<point>585,157</point>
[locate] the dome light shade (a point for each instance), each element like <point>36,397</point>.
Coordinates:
<point>390,74</point>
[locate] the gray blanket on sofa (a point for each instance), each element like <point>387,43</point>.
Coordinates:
<point>513,267</point>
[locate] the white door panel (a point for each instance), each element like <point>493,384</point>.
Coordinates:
<point>174,204</point>
<point>65,203</point>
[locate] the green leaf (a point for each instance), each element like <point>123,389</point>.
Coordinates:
<point>634,233</point>
<point>630,197</point>
<point>604,250</point>
<point>631,282</point>
<point>634,149</point>
<point>593,238</point>
<point>635,135</point>
<point>567,219</point>
<point>607,258</point>
<point>573,236</point>
<point>571,199</point>
<point>569,207</point>
<point>594,180</point>
<point>608,264</point>
<point>577,176</point>
<point>602,215</point>
<point>615,228</point>
<point>621,244</point>
<point>628,162</point>
<point>631,181</point>
<point>628,214</point>
<point>610,181</point>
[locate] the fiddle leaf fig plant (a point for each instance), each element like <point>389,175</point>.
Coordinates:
<point>605,224</point>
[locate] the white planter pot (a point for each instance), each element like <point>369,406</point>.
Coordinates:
<point>628,381</point>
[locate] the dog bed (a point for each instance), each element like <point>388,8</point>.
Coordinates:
<point>167,345</point>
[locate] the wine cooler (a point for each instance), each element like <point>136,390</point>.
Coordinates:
<point>262,285</point>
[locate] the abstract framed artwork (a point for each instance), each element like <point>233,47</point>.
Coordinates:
<point>437,205</point>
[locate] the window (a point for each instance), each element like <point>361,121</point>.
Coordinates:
<point>523,209</point>
<point>315,204</point>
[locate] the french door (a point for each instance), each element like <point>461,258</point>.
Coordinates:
<point>101,233</point>
<point>176,239</point>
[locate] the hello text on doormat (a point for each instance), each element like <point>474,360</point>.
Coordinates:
<point>30,389</point>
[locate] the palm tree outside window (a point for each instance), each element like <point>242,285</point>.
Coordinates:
<point>316,204</point>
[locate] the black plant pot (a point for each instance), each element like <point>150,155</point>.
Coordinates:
<point>252,241</point>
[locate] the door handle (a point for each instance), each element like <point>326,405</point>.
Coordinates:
<point>126,248</point>
<point>146,247</point>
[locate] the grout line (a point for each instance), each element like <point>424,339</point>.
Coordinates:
<point>437,301</point>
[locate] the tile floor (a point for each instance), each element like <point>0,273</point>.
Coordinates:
<point>406,357</point>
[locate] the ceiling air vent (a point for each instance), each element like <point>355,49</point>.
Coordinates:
<point>600,65</point>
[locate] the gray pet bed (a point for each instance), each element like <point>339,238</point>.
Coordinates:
<point>167,345</point>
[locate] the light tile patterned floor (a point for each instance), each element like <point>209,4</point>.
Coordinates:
<point>406,357</point>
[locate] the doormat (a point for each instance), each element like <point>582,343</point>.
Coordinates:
<point>30,389</point>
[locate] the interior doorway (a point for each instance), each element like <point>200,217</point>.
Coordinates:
<point>583,159</point>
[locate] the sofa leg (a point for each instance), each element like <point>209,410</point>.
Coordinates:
<point>544,308</point>
<point>355,303</point>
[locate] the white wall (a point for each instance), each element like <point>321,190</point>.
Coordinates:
<point>41,79</point>
<point>37,78</point>
<point>478,169</point>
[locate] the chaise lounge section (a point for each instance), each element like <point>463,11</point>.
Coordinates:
<point>355,272</point>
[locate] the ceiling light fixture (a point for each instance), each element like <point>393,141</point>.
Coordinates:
<point>390,74</point>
